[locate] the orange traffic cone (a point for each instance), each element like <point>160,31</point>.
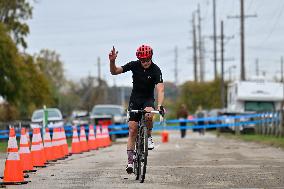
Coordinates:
<point>13,173</point>
<point>76,147</point>
<point>38,156</point>
<point>83,140</point>
<point>48,149</point>
<point>165,136</point>
<point>61,142</point>
<point>64,141</point>
<point>25,154</point>
<point>42,148</point>
<point>105,135</point>
<point>99,138</point>
<point>56,141</point>
<point>92,142</point>
<point>28,136</point>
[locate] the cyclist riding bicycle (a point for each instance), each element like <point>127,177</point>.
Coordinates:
<point>146,76</point>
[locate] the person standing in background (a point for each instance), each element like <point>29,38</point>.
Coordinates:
<point>200,116</point>
<point>182,114</point>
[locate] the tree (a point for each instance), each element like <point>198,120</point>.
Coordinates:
<point>92,91</point>
<point>69,98</point>
<point>52,67</point>
<point>10,78</point>
<point>13,13</point>
<point>35,90</point>
<point>22,84</point>
<point>206,94</point>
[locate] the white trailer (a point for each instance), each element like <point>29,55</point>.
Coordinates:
<point>253,96</point>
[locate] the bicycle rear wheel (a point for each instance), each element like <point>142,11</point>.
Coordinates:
<point>144,153</point>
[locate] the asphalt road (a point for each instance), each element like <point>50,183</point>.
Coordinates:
<point>193,162</point>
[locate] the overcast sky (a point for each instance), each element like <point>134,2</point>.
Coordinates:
<point>81,31</point>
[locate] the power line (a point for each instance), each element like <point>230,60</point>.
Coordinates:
<point>274,25</point>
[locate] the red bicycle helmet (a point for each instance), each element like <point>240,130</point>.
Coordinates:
<point>144,51</point>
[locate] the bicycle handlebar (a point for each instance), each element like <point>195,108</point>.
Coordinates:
<point>145,112</point>
<point>162,114</point>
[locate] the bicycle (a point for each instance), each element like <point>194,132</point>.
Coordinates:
<point>141,146</point>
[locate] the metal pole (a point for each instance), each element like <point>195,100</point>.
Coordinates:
<point>222,66</point>
<point>194,49</point>
<point>176,65</point>
<point>99,70</point>
<point>281,60</point>
<point>282,107</point>
<point>256,67</point>
<point>243,76</point>
<point>201,73</point>
<point>214,39</point>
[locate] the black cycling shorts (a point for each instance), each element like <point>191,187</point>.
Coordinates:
<point>139,104</point>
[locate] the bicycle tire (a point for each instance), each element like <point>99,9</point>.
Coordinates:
<point>144,154</point>
<point>137,166</point>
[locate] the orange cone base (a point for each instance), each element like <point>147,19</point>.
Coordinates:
<point>30,171</point>
<point>14,183</point>
<point>48,153</point>
<point>84,146</point>
<point>76,148</point>
<point>12,173</point>
<point>37,162</point>
<point>26,161</point>
<point>92,145</point>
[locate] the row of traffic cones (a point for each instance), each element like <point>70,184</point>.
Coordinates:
<point>99,140</point>
<point>24,160</point>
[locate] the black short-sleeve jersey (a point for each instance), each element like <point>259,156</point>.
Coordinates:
<point>144,80</point>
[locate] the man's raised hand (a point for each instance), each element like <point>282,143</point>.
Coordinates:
<point>112,55</point>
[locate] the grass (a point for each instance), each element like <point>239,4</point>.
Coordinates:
<point>262,139</point>
<point>4,144</point>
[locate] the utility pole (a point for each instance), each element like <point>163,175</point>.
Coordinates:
<point>282,62</point>
<point>194,49</point>
<point>214,40</point>
<point>99,71</point>
<point>256,67</point>
<point>281,112</point>
<point>222,67</point>
<point>201,63</point>
<point>243,75</point>
<point>122,96</point>
<point>242,37</point>
<point>176,65</point>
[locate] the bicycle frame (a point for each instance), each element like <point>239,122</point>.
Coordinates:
<point>141,146</point>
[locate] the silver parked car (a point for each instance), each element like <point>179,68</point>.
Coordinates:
<point>55,118</point>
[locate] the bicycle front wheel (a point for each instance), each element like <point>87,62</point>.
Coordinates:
<point>144,154</point>
<point>136,161</point>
